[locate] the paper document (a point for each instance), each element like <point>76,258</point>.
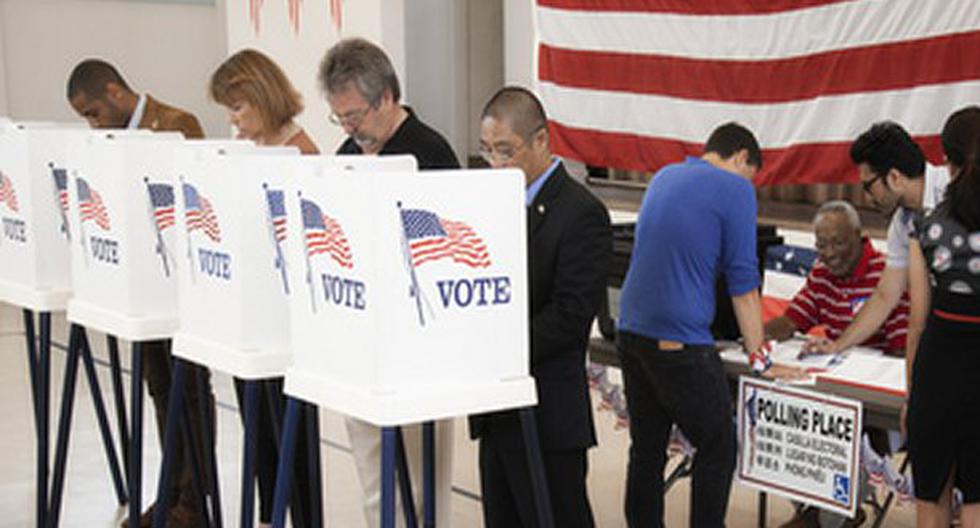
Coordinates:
<point>880,372</point>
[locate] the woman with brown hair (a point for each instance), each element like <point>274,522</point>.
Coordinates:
<point>262,104</point>
<point>261,101</point>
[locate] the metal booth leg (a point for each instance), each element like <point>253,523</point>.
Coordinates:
<point>115,369</point>
<point>250,403</point>
<point>102,418</point>
<point>535,463</point>
<point>30,339</point>
<point>429,474</point>
<point>313,456</point>
<point>173,421</point>
<point>284,474</point>
<point>64,428</point>
<point>136,439</point>
<point>404,480</point>
<point>208,426</point>
<point>389,442</point>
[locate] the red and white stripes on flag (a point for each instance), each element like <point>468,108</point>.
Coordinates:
<point>637,84</point>
<point>8,196</point>
<point>255,14</point>
<point>330,240</point>
<point>294,7</point>
<point>203,218</point>
<point>337,14</point>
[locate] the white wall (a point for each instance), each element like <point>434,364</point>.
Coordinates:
<point>299,54</point>
<point>436,61</point>
<point>519,43</point>
<point>3,69</point>
<point>486,61</point>
<point>168,50</point>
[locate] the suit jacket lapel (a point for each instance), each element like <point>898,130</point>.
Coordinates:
<point>541,205</point>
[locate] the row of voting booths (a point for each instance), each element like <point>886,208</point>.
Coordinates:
<point>377,291</point>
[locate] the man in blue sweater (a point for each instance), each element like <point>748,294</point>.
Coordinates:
<point>697,223</point>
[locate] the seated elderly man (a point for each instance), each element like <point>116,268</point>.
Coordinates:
<point>844,276</point>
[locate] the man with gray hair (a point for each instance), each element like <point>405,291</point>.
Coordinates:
<point>845,274</point>
<point>364,96</point>
<point>362,90</point>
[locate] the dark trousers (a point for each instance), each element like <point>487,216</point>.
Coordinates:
<point>687,387</point>
<point>157,371</point>
<point>508,499</point>
<point>267,454</point>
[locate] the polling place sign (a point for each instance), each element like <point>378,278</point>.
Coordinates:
<point>799,444</point>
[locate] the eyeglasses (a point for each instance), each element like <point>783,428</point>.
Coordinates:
<point>503,154</point>
<point>352,118</point>
<point>868,184</point>
<point>506,153</point>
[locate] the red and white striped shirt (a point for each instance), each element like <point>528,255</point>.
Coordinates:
<point>833,302</point>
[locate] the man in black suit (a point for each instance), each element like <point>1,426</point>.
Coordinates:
<point>569,251</point>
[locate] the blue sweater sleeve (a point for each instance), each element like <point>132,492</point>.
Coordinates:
<point>739,260</point>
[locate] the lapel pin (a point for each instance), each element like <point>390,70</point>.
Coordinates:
<point>540,208</point>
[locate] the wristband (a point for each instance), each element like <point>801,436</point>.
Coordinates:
<point>760,359</point>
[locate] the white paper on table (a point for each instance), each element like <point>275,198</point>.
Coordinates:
<point>877,372</point>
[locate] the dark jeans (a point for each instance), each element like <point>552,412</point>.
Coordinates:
<point>687,387</point>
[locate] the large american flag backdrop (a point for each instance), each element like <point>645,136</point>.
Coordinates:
<point>637,84</point>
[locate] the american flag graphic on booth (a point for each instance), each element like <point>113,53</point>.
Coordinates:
<point>162,200</point>
<point>61,184</point>
<point>8,196</point>
<point>90,205</point>
<point>432,238</point>
<point>277,212</point>
<point>199,214</point>
<point>325,235</point>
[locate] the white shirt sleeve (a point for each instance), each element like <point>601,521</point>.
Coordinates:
<point>898,241</point>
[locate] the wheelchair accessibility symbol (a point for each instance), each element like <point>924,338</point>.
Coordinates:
<point>842,488</point>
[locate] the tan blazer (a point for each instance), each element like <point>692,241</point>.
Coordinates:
<point>162,117</point>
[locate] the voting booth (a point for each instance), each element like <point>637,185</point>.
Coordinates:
<point>122,194</point>
<point>408,293</point>
<point>231,225</point>
<point>34,247</point>
<point>231,304</point>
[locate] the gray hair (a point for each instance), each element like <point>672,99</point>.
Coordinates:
<point>841,207</point>
<point>358,61</point>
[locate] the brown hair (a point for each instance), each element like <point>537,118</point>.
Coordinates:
<point>253,77</point>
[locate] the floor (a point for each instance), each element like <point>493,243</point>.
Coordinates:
<point>89,500</point>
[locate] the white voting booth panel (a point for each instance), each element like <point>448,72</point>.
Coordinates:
<point>409,293</point>
<point>121,188</point>
<point>233,304</point>
<point>34,245</point>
